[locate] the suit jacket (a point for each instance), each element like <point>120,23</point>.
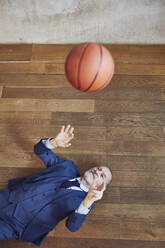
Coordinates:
<point>42,196</point>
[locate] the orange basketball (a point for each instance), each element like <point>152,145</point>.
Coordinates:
<point>89,67</point>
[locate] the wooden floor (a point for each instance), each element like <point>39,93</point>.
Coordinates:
<point>122,127</point>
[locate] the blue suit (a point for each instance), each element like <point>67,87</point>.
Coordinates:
<point>33,205</point>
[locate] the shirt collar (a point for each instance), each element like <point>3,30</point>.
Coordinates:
<point>82,186</point>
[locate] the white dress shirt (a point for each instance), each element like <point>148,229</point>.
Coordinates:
<point>81,209</point>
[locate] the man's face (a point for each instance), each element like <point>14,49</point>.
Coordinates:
<point>102,174</point>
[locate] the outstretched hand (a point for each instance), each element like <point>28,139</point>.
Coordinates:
<point>64,137</point>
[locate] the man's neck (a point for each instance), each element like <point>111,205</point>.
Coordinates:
<point>84,182</point>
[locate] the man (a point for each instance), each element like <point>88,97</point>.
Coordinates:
<point>32,206</point>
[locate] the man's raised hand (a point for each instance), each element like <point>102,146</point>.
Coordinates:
<point>95,193</point>
<point>64,137</point>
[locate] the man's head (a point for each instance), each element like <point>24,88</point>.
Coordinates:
<point>102,174</point>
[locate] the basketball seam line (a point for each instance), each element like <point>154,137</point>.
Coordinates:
<point>98,69</point>
<point>78,74</point>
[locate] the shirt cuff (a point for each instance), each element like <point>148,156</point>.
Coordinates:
<point>47,143</point>
<point>82,209</point>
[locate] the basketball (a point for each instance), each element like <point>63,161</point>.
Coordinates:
<point>89,67</point>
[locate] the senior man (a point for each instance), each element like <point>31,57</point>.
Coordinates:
<point>33,205</point>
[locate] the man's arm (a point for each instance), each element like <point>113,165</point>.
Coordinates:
<point>43,148</point>
<point>76,219</point>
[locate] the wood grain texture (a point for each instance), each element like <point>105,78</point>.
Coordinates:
<point>122,127</point>
<point>59,92</point>
<point>87,242</point>
<point>57,68</point>
<point>15,52</point>
<point>1,89</point>
<point>20,104</point>
<point>121,53</point>
<point>120,148</point>
<point>57,81</point>
<point>27,80</point>
<point>54,53</point>
<point>163,95</point>
<point>136,133</point>
<point>29,67</point>
<point>111,119</point>
<point>130,106</point>
<point>143,195</point>
<point>37,132</point>
<point>136,163</point>
<point>140,69</point>
<point>91,228</point>
<point>26,117</point>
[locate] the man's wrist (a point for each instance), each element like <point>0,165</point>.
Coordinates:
<point>53,142</point>
<point>87,203</point>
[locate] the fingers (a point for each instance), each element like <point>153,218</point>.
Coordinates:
<point>67,145</point>
<point>62,129</point>
<point>101,187</point>
<point>95,182</point>
<point>71,131</point>
<point>96,195</point>
<point>68,129</point>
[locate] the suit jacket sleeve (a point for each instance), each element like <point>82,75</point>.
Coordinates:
<point>46,155</point>
<point>75,220</point>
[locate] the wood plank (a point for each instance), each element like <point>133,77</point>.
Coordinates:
<point>119,82</point>
<point>7,104</point>
<point>137,81</point>
<point>33,80</point>
<point>141,230</point>
<point>156,149</point>
<point>84,162</point>
<point>104,243</point>
<point>15,52</point>
<point>20,160</point>
<point>56,68</point>
<point>29,159</point>
<point>53,52</point>
<point>25,117</point>
<point>148,216</point>
<point>128,229</point>
<point>32,68</point>
<point>138,53</point>
<point>137,148</point>
<point>141,196</point>
<point>37,132</point>
<point>163,94</point>
<point>71,93</point>
<point>139,179</point>
<point>1,89</point>
<point>139,69</point>
<point>85,242</point>
<point>121,53</point>
<point>136,163</point>
<point>135,133</point>
<point>105,229</point>
<point>154,213</point>
<point>17,144</point>
<point>112,119</point>
<point>91,133</point>
<point>124,106</point>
